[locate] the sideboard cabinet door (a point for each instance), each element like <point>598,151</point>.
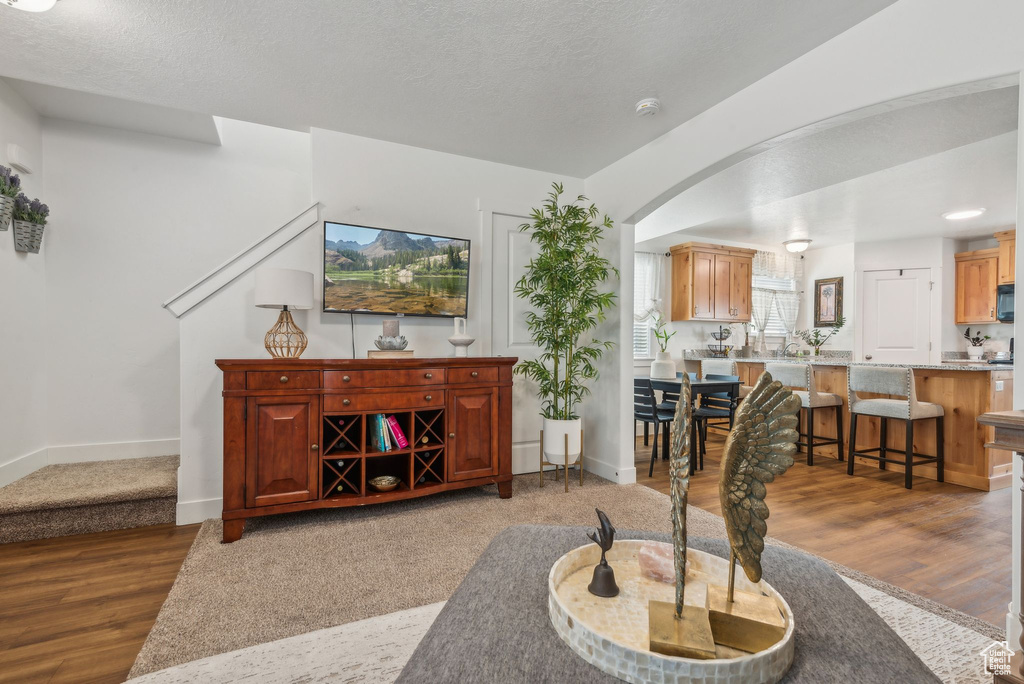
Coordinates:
<point>473,433</point>
<point>281,455</point>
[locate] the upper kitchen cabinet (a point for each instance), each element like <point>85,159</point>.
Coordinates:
<point>711,283</point>
<point>977,274</point>
<point>1007,256</point>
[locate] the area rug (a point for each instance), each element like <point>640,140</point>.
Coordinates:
<point>374,651</point>
<point>294,574</point>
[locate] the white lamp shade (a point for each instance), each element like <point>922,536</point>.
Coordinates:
<point>277,288</point>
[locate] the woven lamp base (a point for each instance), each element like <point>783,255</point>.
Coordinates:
<point>285,340</point>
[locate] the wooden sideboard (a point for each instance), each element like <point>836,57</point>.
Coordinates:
<point>297,431</point>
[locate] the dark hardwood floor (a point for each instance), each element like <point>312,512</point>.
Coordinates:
<point>949,543</point>
<point>78,609</point>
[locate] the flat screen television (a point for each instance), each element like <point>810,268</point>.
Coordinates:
<point>386,272</point>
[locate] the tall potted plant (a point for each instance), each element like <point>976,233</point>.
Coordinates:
<point>563,285</point>
<point>10,186</point>
<point>29,222</point>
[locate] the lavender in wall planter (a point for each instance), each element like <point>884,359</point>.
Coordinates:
<point>29,222</point>
<point>10,186</point>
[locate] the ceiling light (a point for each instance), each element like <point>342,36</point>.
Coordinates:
<point>964,214</point>
<point>31,5</point>
<point>648,107</point>
<point>797,245</point>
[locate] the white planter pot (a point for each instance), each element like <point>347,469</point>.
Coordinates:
<point>975,353</point>
<point>663,367</point>
<point>555,432</point>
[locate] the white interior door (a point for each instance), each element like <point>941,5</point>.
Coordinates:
<point>896,315</point>
<point>510,253</point>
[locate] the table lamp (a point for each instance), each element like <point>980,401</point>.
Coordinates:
<point>284,288</point>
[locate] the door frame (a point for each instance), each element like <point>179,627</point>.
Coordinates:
<point>939,292</point>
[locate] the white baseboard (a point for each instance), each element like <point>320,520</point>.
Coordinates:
<point>22,466</point>
<point>113,451</point>
<point>610,471</point>
<point>190,512</point>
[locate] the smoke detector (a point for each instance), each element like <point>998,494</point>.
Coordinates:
<point>648,106</point>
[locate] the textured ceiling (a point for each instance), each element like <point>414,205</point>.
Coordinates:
<point>537,84</point>
<point>905,201</point>
<point>886,176</point>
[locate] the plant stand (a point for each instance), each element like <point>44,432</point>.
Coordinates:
<point>566,465</point>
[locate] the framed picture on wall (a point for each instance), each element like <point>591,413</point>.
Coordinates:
<point>828,301</point>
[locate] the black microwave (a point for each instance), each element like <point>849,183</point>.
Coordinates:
<point>1004,303</point>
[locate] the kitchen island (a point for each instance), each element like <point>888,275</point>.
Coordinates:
<point>964,390</point>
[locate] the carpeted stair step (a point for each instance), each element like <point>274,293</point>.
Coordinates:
<point>77,498</point>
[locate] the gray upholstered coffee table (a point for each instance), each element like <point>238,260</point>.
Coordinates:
<point>495,627</point>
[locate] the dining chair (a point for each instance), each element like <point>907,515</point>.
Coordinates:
<point>645,409</point>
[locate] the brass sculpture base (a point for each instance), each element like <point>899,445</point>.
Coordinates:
<point>688,636</point>
<point>750,622</point>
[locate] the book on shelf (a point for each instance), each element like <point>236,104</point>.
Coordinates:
<point>384,433</point>
<point>381,433</point>
<point>396,432</point>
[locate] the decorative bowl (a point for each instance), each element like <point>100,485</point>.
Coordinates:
<point>391,343</point>
<point>384,483</point>
<point>723,335</point>
<point>612,633</point>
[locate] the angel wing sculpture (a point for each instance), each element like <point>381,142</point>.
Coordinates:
<point>679,485</point>
<point>759,448</point>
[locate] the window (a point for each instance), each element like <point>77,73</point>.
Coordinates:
<point>642,340</point>
<point>775,327</point>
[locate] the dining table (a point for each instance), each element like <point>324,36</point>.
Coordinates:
<point>698,387</point>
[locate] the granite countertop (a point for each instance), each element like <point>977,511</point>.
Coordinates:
<point>827,361</point>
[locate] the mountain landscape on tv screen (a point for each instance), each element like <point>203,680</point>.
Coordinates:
<point>395,272</point>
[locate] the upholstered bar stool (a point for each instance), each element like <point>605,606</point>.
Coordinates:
<point>898,382</point>
<point>800,377</point>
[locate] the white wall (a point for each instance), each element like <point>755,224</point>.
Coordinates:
<point>367,182</point>
<point>831,262</point>
<point>136,218</point>
<point>23,342</point>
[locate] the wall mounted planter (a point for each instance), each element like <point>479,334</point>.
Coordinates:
<point>28,237</point>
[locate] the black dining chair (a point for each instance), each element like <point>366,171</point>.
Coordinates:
<point>645,409</point>
<point>669,399</point>
<point>717,406</point>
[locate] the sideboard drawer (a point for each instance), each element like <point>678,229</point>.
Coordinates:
<point>389,401</point>
<point>275,380</point>
<point>458,376</point>
<point>383,378</point>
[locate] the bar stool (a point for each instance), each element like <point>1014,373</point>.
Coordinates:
<point>801,377</point>
<point>898,382</point>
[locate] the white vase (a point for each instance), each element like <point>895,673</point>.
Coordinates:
<point>555,432</point>
<point>663,367</point>
<point>460,340</point>
<point>975,353</point>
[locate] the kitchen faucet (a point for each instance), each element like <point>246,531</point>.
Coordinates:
<point>783,352</point>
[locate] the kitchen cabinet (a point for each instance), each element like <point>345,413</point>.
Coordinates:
<point>977,274</point>
<point>1007,256</point>
<point>711,282</point>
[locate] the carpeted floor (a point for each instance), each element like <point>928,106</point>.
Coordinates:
<point>78,498</point>
<point>294,574</point>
